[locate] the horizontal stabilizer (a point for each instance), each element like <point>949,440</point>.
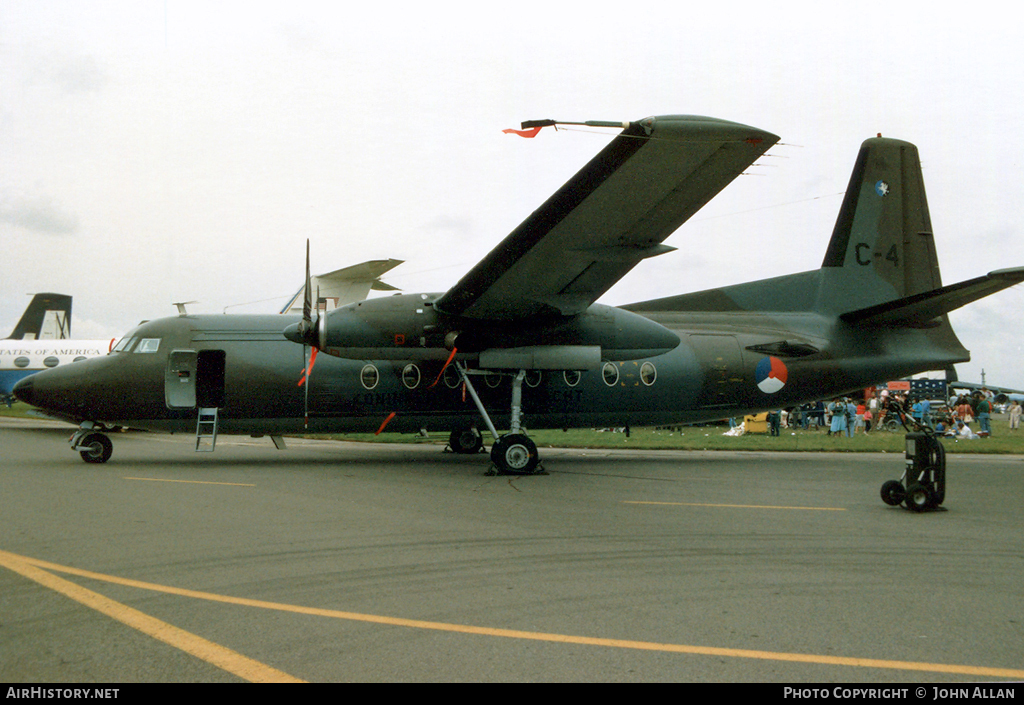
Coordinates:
<point>920,309</point>
<point>346,285</point>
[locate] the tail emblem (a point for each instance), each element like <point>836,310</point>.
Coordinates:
<point>882,188</point>
<point>770,375</point>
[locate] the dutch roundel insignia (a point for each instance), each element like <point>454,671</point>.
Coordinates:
<point>770,375</point>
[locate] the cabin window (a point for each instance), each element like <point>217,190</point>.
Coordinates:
<point>451,377</point>
<point>51,361</point>
<point>21,362</point>
<point>648,373</point>
<point>533,378</point>
<point>411,376</point>
<point>369,376</point>
<point>148,345</point>
<point>610,373</point>
<point>572,377</point>
<point>80,358</point>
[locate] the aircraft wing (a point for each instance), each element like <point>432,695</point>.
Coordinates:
<point>607,218</point>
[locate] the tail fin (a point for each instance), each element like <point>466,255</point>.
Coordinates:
<point>880,268</point>
<point>47,316</point>
<point>882,246</point>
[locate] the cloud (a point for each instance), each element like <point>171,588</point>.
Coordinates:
<point>38,214</point>
<point>78,74</point>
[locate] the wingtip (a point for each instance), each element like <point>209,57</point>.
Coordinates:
<point>1009,273</point>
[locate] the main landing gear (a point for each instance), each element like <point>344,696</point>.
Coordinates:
<point>514,453</point>
<point>94,447</point>
<point>466,441</point>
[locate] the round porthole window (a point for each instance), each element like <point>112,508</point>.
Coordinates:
<point>411,376</point>
<point>369,376</point>
<point>493,379</point>
<point>610,373</point>
<point>21,362</point>
<point>572,377</point>
<point>648,373</point>
<point>533,378</point>
<point>51,361</point>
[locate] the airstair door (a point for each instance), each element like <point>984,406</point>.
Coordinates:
<point>180,379</point>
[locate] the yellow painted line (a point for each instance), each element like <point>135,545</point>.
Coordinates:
<point>1005,673</point>
<point>740,506</point>
<point>220,656</point>
<point>190,482</point>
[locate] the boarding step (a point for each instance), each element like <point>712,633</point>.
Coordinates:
<point>206,430</point>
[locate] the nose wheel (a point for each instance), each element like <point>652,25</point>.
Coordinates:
<point>93,447</point>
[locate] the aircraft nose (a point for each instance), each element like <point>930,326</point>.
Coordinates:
<point>23,390</point>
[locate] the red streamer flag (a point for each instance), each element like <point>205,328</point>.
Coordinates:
<point>532,132</point>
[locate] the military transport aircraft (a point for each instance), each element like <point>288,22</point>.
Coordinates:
<point>522,336</point>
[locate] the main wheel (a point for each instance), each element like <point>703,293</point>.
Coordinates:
<point>893,493</point>
<point>919,498</point>
<point>515,454</point>
<point>100,448</point>
<point>466,440</point>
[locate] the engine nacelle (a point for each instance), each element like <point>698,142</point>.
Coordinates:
<point>407,327</point>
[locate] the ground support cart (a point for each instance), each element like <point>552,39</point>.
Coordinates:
<point>923,485</point>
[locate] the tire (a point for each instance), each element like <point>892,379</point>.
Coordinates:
<point>100,448</point>
<point>466,441</point>
<point>919,498</point>
<point>893,493</point>
<point>515,454</point>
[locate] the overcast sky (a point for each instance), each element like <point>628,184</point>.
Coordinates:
<point>153,152</point>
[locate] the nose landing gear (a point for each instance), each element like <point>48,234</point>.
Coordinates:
<point>92,446</point>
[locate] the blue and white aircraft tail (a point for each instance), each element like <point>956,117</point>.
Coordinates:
<point>47,317</point>
<point>41,340</point>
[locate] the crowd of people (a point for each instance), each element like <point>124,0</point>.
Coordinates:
<point>885,409</point>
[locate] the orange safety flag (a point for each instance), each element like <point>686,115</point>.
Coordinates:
<point>307,372</point>
<point>532,132</point>
<point>386,422</point>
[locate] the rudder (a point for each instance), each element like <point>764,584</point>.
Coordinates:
<point>882,247</point>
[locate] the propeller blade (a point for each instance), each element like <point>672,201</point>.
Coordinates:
<point>307,299</point>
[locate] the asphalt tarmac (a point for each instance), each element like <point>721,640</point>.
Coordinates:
<point>355,562</point>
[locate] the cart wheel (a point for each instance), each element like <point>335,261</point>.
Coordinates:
<point>893,493</point>
<point>919,498</point>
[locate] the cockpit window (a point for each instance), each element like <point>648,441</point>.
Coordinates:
<point>125,344</point>
<point>148,345</point>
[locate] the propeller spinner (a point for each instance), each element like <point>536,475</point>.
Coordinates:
<point>307,331</point>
